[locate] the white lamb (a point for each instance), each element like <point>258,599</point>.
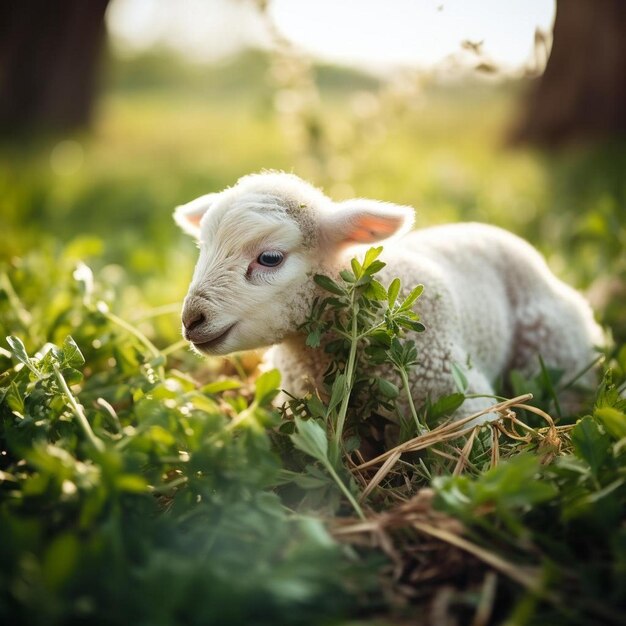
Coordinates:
<point>490,303</point>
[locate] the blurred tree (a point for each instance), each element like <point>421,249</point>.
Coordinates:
<point>582,93</point>
<point>49,53</point>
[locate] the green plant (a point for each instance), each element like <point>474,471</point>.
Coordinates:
<point>364,321</point>
<point>531,497</point>
<point>127,493</point>
<point>565,517</point>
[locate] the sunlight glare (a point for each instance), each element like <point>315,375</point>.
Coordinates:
<point>368,34</point>
<point>422,33</point>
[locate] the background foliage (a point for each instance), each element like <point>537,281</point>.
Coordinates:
<point>184,507</point>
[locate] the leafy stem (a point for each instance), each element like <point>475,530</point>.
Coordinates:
<point>343,409</point>
<point>405,382</point>
<point>310,437</point>
<point>355,505</point>
<point>78,411</point>
<point>362,322</point>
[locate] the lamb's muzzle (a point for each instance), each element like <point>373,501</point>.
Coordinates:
<point>196,326</point>
<point>191,321</point>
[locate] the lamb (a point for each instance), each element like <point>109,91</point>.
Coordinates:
<point>490,303</point>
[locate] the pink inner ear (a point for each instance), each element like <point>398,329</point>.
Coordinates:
<point>369,228</point>
<point>194,218</point>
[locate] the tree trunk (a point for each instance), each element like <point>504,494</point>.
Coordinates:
<point>49,53</point>
<point>582,94</point>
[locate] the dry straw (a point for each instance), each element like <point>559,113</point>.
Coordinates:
<point>449,431</point>
<point>417,527</point>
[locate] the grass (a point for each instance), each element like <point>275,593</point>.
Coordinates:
<point>140,483</point>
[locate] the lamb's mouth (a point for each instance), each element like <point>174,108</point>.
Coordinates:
<point>217,339</point>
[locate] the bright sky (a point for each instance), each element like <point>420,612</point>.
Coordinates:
<point>370,34</point>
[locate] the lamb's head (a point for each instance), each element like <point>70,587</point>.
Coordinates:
<point>261,242</point>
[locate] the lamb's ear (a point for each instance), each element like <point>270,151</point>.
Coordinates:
<point>188,216</point>
<point>366,221</point>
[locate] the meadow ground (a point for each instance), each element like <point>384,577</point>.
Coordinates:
<point>166,448</point>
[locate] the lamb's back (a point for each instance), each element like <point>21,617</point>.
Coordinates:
<point>509,304</point>
<point>473,275</point>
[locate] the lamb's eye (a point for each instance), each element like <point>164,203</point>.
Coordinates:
<point>270,258</point>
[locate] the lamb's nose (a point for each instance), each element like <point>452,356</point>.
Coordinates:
<point>192,319</point>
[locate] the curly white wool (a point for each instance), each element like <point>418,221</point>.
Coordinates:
<point>490,302</point>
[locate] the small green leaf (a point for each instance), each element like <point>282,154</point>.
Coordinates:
<point>132,483</point>
<point>337,393</point>
<point>72,376</point>
<point>287,428</point>
<point>19,350</point>
<point>446,405</point>
<point>393,291</point>
<point>376,354</point>
<point>15,400</point>
<point>514,484</point>
<point>511,485</point>
<point>410,324</point>
<point>266,387</point>
<point>356,268</point>
<point>376,291</point>
<point>590,444</point>
<point>60,559</point>
<point>374,268</point>
<point>460,380</point>
<point>416,292</point>
<point>613,420</point>
<point>380,337</point>
<point>387,388</point>
<point>221,385</point>
<point>371,255</point>
<point>348,276</point>
<point>310,438</point>
<point>315,406</point>
<point>314,338</point>
<point>328,284</point>
<point>158,434</point>
<point>71,355</point>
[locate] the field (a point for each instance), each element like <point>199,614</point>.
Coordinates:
<point>141,484</point>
